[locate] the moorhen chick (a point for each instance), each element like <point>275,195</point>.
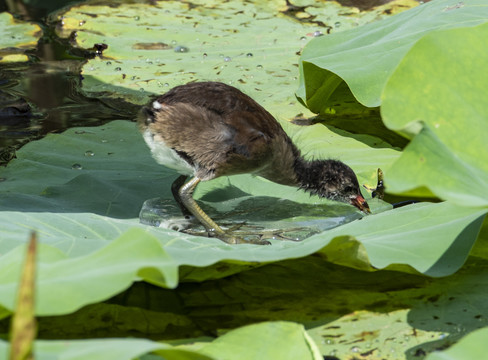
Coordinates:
<point>210,129</point>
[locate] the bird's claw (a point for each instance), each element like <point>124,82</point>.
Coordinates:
<point>229,238</point>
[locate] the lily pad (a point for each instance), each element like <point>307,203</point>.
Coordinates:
<point>152,48</point>
<point>362,59</point>
<point>340,17</point>
<point>16,37</point>
<point>472,346</point>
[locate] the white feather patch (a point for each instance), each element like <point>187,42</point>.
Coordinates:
<point>166,156</point>
<point>157,105</point>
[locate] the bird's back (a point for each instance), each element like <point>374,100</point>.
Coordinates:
<point>214,128</point>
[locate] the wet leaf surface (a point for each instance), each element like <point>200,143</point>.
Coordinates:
<point>15,37</point>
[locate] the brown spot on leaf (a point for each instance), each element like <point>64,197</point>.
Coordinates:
<point>151,46</point>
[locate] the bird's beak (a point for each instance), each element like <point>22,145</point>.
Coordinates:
<point>361,204</point>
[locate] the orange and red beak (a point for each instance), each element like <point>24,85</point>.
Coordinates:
<point>361,204</point>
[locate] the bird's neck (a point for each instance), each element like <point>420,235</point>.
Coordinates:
<point>281,165</point>
<point>311,174</point>
<point>289,167</point>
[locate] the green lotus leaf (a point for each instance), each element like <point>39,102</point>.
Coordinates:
<point>290,341</point>
<point>15,37</point>
<point>65,283</point>
<point>106,349</point>
<point>438,88</point>
<point>152,48</point>
<point>429,167</point>
<point>472,346</point>
<point>364,58</point>
<point>339,17</point>
<point>435,240</point>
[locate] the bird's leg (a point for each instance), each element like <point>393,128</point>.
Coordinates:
<point>186,196</point>
<point>175,188</point>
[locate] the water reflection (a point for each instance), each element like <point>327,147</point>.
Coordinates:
<point>44,95</point>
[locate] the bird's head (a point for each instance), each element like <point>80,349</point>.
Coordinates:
<point>336,181</point>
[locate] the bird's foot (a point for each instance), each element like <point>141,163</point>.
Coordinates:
<point>240,240</point>
<point>230,238</point>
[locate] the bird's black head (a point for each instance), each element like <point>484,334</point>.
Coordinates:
<point>333,180</point>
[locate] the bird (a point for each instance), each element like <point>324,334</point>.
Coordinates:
<point>205,130</point>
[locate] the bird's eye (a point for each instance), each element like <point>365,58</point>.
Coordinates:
<point>349,189</point>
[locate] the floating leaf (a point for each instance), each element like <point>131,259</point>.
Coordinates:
<point>471,347</point>
<point>250,45</point>
<point>15,37</point>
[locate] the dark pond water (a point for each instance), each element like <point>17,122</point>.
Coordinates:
<point>44,96</point>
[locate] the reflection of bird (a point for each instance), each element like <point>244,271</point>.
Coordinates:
<point>210,129</point>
